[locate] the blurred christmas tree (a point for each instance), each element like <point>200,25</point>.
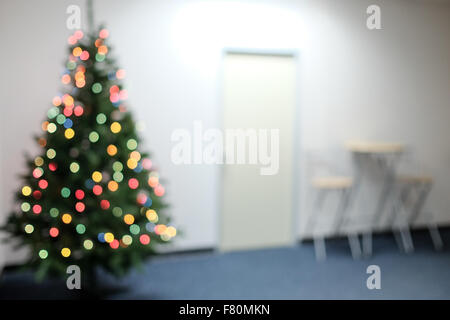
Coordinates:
<point>91,198</point>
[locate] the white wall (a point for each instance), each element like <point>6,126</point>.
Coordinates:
<point>388,84</point>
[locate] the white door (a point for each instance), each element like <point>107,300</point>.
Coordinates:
<point>258,93</point>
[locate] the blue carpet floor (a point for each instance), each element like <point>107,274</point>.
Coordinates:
<point>282,273</point>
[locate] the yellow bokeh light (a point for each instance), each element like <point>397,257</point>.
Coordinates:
<point>65,252</point>
<point>115,127</point>
<point>97,176</point>
<point>38,161</point>
<point>113,186</point>
<point>112,150</point>
<point>171,231</point>
<point>77,51</point>
<point>66,218</point>
<point>128,219</point>
<point>68,100</point>
<point>132,163</point>
<point>151,215</point>
<point>69,133</point>
<point>109,237</point>
<point>26,191</point>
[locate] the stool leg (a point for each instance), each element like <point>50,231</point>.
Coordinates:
<point>310,224</point>
<point>423,192</point>
<point>405,234</point>
<point>355,248</point>
<point>367,243</point>
<point>435,237</point>
<point>408,245</point>
<point>402,234</point>
<point>319,248</point>
<point>341,209</point>
<point>432,227</point>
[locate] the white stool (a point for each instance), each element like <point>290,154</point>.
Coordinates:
<point>413,192</point>
<point>324,186</point>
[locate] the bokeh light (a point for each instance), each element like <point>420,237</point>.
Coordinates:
<point>131,144</point>
<point>51,153</point>
<point>74,167</point>
<point>69,133</point>
<point>65,192</point>
<point>43,254</point>
<point>94,136</point>
<point>128,219</point>
<point>111,150</point>
<point>97,176</point>
<point>144,239</point>
<point>37,209</point>
<point>88,244</point>
<point>104,204</point>
<point>54,232</point>
<point>65,252</point>
<point>79,194</point>
<point>133,183</point>
<point>66,218</point>
<point>80,228</point>
<point>29,228</point>
<point>115,127</point>
<point>26,191</point>
<point>97,190</point>
<point>109,237</point>
<point>113,186</point>
<point>80,206</point>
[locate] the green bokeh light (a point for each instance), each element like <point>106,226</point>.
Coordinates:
<point>101,118</point>
<point>51,153</point>
<point>93,137</point>
<point>54,212</point>
<point>131,144</point>
<point>43,254</point>
<point>118,176</point>
<point>65,192</point>
<point>25,207</point>
<point>117,211</point>
<point>96,88</point>
<point>117,166</point>
<point>60,118</point>
<point>134,229</point>
<point>74,167</point>
<point>99,57</point>
<point>52,112</point>
<point>80,228</point>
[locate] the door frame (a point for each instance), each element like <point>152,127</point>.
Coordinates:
<point>296,165</point>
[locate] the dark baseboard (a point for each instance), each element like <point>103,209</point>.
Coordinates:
<point>381,233</point>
